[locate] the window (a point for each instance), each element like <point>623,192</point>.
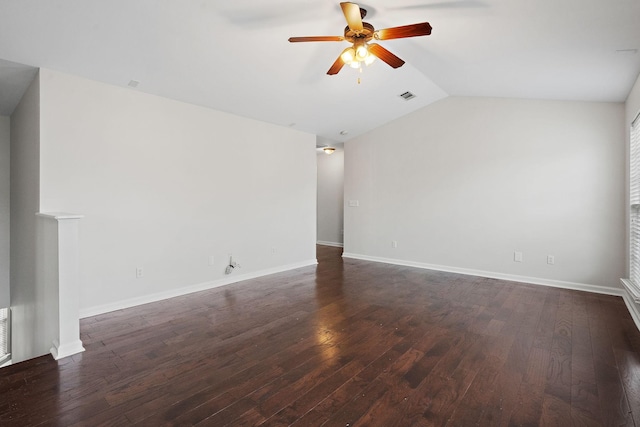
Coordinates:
<point>633,283</point>
<point>4,335</point>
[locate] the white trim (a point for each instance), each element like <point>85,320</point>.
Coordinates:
<point>633,308</point>
<point>59,215</point>
<point>69,349</point>
<point>132,302</point>
<point>335,245</point>
<point>492,275</point>
<point>633,292</point>
<point>5,360</point>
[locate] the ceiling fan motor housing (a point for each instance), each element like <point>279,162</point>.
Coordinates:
<point>366,34</point>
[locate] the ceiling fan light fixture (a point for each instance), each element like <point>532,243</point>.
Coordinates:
<point>348,55</point>
<point>329,150</point>
<point>357,54</point>
<point>369,59</point>
<point>362,52</point>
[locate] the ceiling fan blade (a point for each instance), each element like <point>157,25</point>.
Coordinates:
<point>385,55</point>
<point>316,39</point>
<point>352,14</point>
<point>455,4</point>
<point>336,67</point>
<point>413,30</point>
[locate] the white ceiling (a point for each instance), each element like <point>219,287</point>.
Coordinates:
<point>234,55</point>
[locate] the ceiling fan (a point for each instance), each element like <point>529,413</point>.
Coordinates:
<point>359,34</point>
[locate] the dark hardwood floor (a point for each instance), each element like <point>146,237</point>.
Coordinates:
<point>349,343</point>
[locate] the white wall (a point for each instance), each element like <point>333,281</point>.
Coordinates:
<point>29,338</point>
<point>164,185</point>
<point>331,196</point>
<point>5,175</point>
<point>465,182</point>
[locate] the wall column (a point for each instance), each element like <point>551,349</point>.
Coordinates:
<point>58,269</point>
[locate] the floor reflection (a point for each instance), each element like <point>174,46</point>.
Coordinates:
<point>332,306</point>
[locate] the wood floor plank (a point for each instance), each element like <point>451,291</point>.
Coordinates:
<point>356,386</point>
<point>555,411</point>
<point>629,370</point>
<point>436,397</point>
<point>614,405</point>
<point>346,342</point>
<point>528,410</point>
<point>585,402</point>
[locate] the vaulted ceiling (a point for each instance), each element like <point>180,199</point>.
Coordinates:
<point>234,55</point>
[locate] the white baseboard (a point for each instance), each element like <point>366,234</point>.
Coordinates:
<point>5,360</point>
<point>132,302</point>
<point>632,291</point>
<point>634,308</point>
<point>492,275</point>
<point>59,351</point>
<point>335,245</point>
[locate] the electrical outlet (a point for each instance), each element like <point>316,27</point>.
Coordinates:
<point>274,249</point>
<point>517,256</point>
<point>212,260</point>
<point>394,244</point>
<point>139,272</point>
<point>551,260</point>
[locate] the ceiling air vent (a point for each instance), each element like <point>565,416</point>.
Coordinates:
<point>407,96</point>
